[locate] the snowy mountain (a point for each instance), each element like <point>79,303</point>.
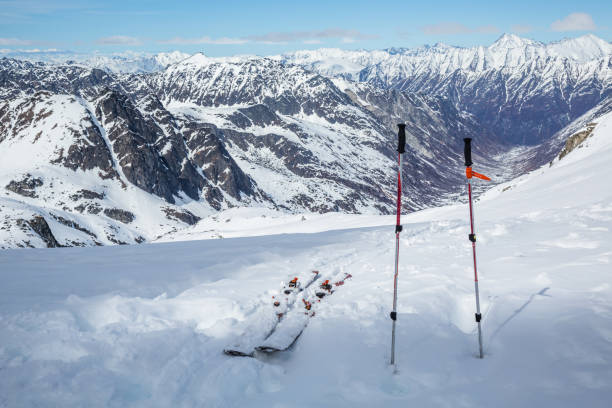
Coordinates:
<point>508,51</point>
<point>555,83</point>
<point>146,325</point>
<point>192,139</point>
<point>126,158</point>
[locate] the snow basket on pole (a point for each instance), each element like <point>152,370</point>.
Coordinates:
<point>469,173</point>
<point>398,228</point>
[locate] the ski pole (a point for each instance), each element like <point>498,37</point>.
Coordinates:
<point>467,151</point>
<point>401,134</point>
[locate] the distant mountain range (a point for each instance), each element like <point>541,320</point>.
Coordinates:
<point>123,149</point>
<point>127,62</point>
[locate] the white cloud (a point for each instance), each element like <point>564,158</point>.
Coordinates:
<point>305,37</point>
<point>28,51</point>
<point>453,28</point>
<point>574,22</point>
<point>487,29</point>
<point>119,40</point>
<point>205,40</point>
<point>14,41</point>
<point>293,36</point>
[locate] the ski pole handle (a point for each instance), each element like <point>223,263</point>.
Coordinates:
<point>467,151</point>
<point>401,135</point>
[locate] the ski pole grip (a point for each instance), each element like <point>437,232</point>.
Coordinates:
<point>467,151</point>
<point>401,135</point>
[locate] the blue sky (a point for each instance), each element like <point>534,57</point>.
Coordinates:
<point>269,27</point>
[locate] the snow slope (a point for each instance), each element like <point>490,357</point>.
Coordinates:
<point>253,221</point>
<point>145,325</point>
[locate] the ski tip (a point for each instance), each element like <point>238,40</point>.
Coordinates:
<point>237,353</point>
<point>267,349</point>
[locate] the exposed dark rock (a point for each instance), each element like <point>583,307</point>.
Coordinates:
<point>39,225</point>
<point>73,224</point>
<point>87,194</point>
<point>26,187</point>
<point>88,152</point>
<point>118,214</point>
<point>150,159</point>
<point>260,115</point>
<point>220,169</point>
<point>91,208</point>
<point>576,139</point>
<point>182,215</point>
<point>114,240</point>
<point>23,76</point>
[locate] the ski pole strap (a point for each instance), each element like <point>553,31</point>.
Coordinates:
<point>401,135</point>
<point>467,151</point>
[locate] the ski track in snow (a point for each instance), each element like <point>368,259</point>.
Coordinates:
<point>146,325</point>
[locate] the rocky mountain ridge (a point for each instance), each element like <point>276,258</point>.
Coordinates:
<point>554,83</point>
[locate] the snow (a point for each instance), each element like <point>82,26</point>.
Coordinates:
<point>256,221</point>
<point>146,325</point>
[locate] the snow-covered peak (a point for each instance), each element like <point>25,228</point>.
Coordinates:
<point>508,41</point>
<point>197,59</point>
<point>584,48</point>
<point>441,46</point>
<point>200,60</point>
<point>334,61</point>
<point>167,58</point>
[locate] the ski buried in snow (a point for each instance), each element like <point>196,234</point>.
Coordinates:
<point>292,310</point>
<point>289,329</point>
<point>268,315</point>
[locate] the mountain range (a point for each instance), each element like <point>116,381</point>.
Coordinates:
<point>121,149</point>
